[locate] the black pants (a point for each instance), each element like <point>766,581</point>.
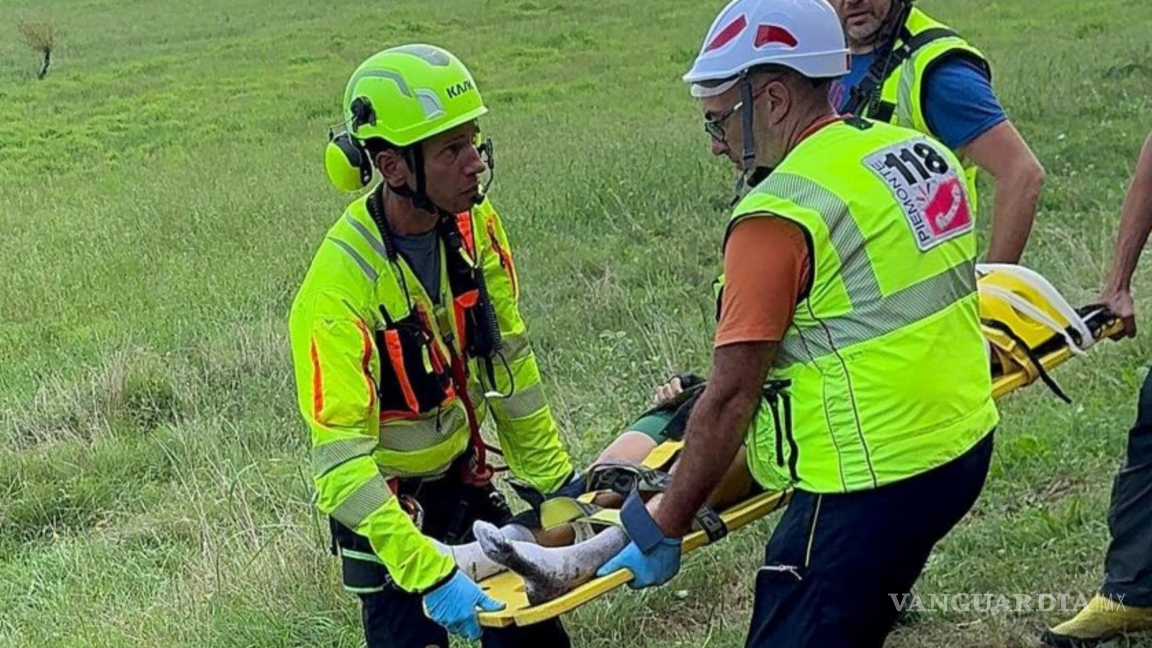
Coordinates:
<point>835,561</point>
<point>1128,564</point>
<point>394,618</point>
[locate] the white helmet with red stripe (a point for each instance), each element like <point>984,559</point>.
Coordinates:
<point>804,35</point>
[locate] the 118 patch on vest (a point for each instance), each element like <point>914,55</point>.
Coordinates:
<point>931,193</point>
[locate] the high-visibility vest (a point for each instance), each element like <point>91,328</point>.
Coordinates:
<point>374,354</point>
<point>883,373</point>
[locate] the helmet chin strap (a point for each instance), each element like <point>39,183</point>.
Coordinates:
<point>750,174</point>
<point>414,155</point>
<point>749,158</point>
<point>419,197</point>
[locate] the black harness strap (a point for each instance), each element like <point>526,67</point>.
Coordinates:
<point>375,205</point>
<point>627,479</point>
<point>1033,357</point>
<point>865,96</point>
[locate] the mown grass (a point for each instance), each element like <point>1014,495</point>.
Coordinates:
<point>161,193</point>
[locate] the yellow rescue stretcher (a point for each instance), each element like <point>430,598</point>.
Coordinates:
<point>1029,328</point>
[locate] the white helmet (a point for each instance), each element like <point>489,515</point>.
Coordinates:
<point>804,35</point>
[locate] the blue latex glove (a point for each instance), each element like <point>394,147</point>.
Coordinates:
<point>453,605</point>
<point>654,568</point>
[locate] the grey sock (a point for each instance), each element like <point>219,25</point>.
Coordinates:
<point>513,532</point>
<point>549,572</point>
<point>470,557</point>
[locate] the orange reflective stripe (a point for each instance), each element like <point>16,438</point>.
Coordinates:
<point>469,299</point>
<point>387,416</point>
<point>460,305</point>
<point>366,364</point>
<point>461,324</point>
<point>392,339</point>
<point>464,224</point>
<point>317,384</point>
<point>505,258</point>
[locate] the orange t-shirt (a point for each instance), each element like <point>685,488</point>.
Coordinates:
<point>766,270</point>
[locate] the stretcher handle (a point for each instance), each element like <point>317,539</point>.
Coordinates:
<point>1101,321</point>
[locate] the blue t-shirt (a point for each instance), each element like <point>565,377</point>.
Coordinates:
<point>959,103</point>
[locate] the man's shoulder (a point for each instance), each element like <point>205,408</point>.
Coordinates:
<point>957,82</point>
<point>920,21</point>
<point>937,40</point>
<point>945,48</point>
<point>488,228</point>
<point>332,285</point>
<point>960,103</point>
<point>960,67</point>
<point>765,224</point>
<point>485,215</point>
<point>853,138</point>
<point>317,308</point>
<point>760,230</point>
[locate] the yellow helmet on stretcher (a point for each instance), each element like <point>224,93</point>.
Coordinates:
<point>1024,317</point>
<point>1024,301</point>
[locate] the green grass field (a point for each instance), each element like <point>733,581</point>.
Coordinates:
<point>162,192</point>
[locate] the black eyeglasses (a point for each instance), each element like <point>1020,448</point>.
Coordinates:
<point>715,126</point>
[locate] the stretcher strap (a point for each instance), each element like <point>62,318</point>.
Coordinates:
<point>662,457</point>
<point>1033,358</point>
<point>1023,305</point>
<point>566,510</point>
<point>626,479</point>
<point>622,479</point>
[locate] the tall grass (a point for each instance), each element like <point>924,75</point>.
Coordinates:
<point>161,193</point>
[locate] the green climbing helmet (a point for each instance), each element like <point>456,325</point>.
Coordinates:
<point>414,92</point>
<point>402,95</point>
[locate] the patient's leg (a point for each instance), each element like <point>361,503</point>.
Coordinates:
<point>631,446</point>
<point>470,557</point>
<point>551,571</point>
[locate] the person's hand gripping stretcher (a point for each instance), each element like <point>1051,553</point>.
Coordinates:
<point>555,558</point>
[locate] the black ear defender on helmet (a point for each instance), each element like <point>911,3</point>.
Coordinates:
<point>346,160</point>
